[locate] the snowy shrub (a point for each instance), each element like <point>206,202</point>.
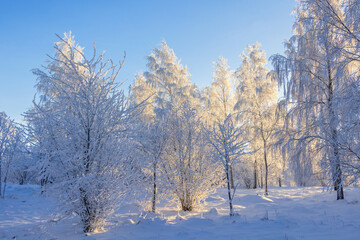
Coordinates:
<point>79,127</point>
<point>190,173</point>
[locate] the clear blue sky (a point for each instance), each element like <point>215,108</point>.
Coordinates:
<point>198,30</point>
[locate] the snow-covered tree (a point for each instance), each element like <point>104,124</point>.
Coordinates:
<point>319,66</point>
<point>78,125</point>
<point>190,173</point>
<point>168,78</point>
<point>5,133</point>
<point>143,94</point>
<point>220,95</point>
<point>152,138</point>
<point>256,96</point>
<point>228,146</point>
<point>11,146</point>
<point>172,101</point>
<point>342,17</point>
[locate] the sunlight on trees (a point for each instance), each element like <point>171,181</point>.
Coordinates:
<point>95,147</point>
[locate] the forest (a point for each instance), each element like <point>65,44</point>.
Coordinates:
<point>286,120</point>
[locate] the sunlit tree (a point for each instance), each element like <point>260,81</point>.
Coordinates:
<point>228,145</point>
<point>317,73</point>
<point>79,123</point>
<point>256,98</point>
<point>220,98</point>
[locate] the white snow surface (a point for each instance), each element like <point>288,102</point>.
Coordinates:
<point>287,213</point>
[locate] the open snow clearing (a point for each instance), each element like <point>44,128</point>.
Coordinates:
<point>287,213</point>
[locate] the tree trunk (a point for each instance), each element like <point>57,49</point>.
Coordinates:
<point>266,170</point>
<point>87,217</point>
<point>279,180</point>
<point>229,192</point>
<point>87,214</point>
<point>227,168</point>
<point>337,176</point>
<point>43,185</point>
<point>153,208</point>
<point>232,178</point>
<point>335,161</point>
<point>338,183</point>
<point>336,168</point>
<point>5,181</point>
<point>255,174</point>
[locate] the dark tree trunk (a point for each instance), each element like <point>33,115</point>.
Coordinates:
<point>338,181</point>
<point>335,162</point>
<point>255,174</point>
<point>279,180</point>
<point>153,208</point>
<point>232,178</point>
<point>86,215</point>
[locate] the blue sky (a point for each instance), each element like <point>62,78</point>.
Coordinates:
<point>199,31</point>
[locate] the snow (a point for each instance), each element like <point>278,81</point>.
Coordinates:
<point>287,213</point>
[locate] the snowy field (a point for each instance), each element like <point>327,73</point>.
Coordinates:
<point>287,213</point>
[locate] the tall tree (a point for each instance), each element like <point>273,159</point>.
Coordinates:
<point>256,96</point>
<point>221,97</point>
<point>315,72</point>
<point>183,160</point>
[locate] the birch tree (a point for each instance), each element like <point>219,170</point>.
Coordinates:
<point>314,73</point>
<point>168,77</point>
<point>152,138</point>
<point>228,146</point>
<point>256,96</point>
<point>221,99</point>
<point>143,94</point>
<point>184,163</point>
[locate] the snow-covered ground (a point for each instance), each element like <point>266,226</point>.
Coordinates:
<point>287,213</point>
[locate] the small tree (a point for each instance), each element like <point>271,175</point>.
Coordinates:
<point>152,139</point>
<point>11,141</point>
<point>190,173</point>
<point>225,138</point>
